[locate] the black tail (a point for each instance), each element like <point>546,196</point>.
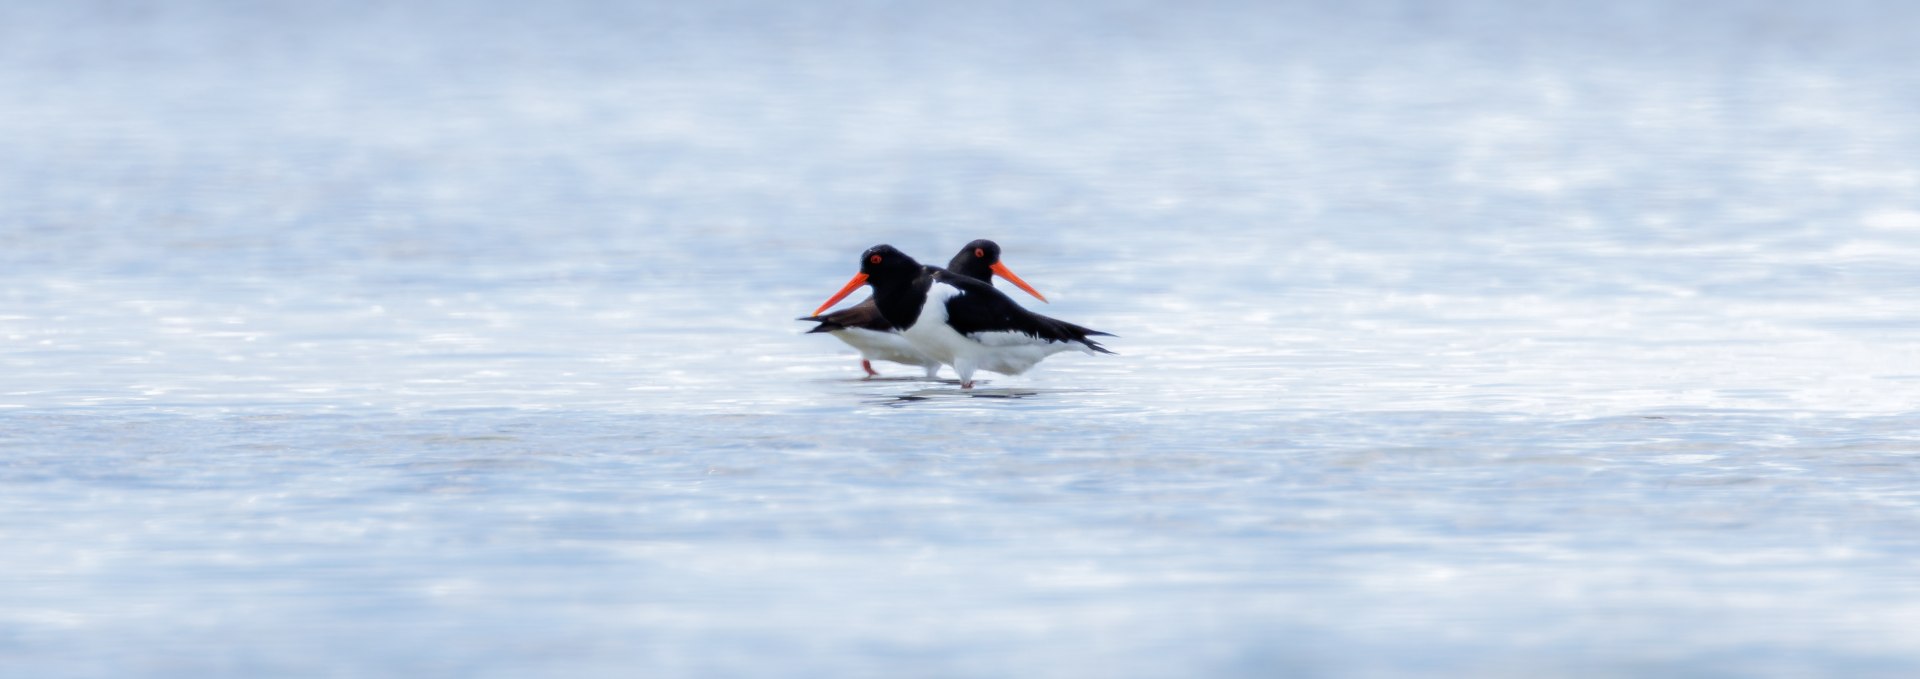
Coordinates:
<point>1081,333</point>
<point>824,324</point>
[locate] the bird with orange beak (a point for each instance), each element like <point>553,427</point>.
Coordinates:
<point>959,320</point>
<point>862,327</point>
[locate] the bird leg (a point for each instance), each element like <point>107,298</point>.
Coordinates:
<point>963,369</point>
<point>868,366</point>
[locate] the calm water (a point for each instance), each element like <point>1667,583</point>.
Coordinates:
<point>1491,339</point>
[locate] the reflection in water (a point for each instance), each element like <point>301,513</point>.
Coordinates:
<point>956,392</point>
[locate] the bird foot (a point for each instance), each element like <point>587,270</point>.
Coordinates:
<point>868,366</point>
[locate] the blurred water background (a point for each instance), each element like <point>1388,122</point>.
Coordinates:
<point>1501,339</point>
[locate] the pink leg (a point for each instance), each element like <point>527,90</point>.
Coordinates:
<point>967,384</point>
<point>868,366</point>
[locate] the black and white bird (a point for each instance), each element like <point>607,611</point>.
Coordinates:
<point>959,320</point>
<point>862,327</point>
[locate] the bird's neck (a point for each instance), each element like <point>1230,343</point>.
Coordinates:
<point>900,301</point>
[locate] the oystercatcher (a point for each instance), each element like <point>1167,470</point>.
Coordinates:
<point>961,321</point>
<point>862,327</point>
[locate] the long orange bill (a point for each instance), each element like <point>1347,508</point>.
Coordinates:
<point>859,279</point>
<point>1002,271</point>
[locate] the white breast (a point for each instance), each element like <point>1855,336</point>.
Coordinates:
<point>883,346</point>
<point>930,333</point>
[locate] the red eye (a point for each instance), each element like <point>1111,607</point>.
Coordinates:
<point>979,252</point>
<point>874,259</point>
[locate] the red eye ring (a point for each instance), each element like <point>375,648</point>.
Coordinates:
<point>979,252</point>
<point>874,259</point>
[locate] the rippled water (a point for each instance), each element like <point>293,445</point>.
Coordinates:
<point>1491,339</point>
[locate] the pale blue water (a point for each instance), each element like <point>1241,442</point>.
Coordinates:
<point>455,338</point>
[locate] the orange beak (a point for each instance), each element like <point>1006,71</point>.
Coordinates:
<point>859,279</point>
<point>1002,271</point>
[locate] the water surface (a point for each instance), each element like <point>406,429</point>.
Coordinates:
<point>1490,339</point>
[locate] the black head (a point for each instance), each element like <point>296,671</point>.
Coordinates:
<point>976,260</point>
<point>887,263</point>
<point>881,266</point>
<point>981,260</point>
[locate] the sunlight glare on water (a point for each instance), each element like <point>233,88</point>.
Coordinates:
<point>1477,338</point>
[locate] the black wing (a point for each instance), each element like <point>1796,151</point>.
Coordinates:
<point>862,315</point>
<point>985,309</point>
